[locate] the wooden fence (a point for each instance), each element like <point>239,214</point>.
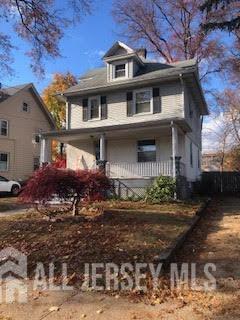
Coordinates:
<point>220,182</point>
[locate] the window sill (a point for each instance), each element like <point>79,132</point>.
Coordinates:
<point>95,119</point>
<point>142,114</point>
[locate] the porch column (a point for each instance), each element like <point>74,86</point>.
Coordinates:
<point>102,147</point>
<point>102,161</point>
<point>45,151</point>
<point>68,115</point>
<point>174,147</point>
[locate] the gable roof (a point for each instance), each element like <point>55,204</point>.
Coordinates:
<point>96,79</point>
<point>118,45</point>
<point>149,73</point>
<point>12,91</point>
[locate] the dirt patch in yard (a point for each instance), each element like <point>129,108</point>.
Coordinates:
<point>118,237</point>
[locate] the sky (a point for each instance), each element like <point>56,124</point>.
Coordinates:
<point>82,48</point>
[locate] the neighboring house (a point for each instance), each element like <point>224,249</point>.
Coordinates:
<point>139,116</point>
<point>211,162</point>
<point>23,116</point>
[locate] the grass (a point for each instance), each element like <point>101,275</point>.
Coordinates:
<point>135,235</point>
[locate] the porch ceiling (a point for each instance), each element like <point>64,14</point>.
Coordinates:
<point>126,130</point>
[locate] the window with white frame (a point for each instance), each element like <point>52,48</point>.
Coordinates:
<point>25,107</point>
<point>94,105</point>
<point>146,151</point>
<point>143,101</point>
<point>120,71</point>
<point>3,128</point>
<point>36,138</point>
<point>4,157</point>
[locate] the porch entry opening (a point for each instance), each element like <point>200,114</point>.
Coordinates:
<point>146,151</point>
<point>97,149</point>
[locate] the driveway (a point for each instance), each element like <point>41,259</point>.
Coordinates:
<point>215,240</point>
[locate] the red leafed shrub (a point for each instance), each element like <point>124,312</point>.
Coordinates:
<point>66,185</point>
<point>60,163</point>
<point>96,184</point>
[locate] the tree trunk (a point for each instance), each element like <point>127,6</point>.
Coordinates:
<point>75,204</point>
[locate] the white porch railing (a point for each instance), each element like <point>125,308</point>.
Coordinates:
<point>139,169</point>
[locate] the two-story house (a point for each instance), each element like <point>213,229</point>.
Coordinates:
<point>143,118</point>
<point>23,116</point>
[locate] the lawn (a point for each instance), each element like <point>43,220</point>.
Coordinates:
<point>137,234</point>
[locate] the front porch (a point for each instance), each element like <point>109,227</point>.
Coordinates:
<point>129,153</point>
<point>124,170</point>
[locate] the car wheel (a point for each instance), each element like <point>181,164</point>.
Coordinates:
<point>15,190</point>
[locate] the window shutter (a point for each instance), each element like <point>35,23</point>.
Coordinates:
<point>129,104</point>
<point>85,109</point>
<point>156,100</point>
<point>104,107</point>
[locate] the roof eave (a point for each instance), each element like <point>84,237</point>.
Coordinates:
<point>118,86</point>
<point>58,133</point>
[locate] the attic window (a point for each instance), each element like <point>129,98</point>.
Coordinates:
<point>120,70</point>
<point>25,107</point>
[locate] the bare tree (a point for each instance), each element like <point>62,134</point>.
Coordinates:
<point>41,24</point>
<point>170,29</point>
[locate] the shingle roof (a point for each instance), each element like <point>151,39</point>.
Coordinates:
<point>97,78</point>
<point>10,91</point>
<point>6,93</point>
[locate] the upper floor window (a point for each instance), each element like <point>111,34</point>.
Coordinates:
<point>4,161</point>
<point>120,70</point>
<point>146,151</point>
<point>143,101</point>
<point>94,108</point>
<point>25,107</point>
<point>36,138</point>
<point>3,127</point>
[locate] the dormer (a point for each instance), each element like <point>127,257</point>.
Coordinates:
<point>123,62</point>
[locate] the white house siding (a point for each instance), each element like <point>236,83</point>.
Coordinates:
<point>195,136</point>
<point>192,171</point>
<point>171,102</point>
<point>22,126</point>
<point>80,155</point>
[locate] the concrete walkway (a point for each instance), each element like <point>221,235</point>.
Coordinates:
<point>216,240</point>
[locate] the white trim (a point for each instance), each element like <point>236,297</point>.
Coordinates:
<point>2,135</point>
<point>89,108</point>
<point>8,158</point>
<point>151,101</point>
<point>113,68</point>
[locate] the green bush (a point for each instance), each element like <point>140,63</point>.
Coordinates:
<point>162,189</point>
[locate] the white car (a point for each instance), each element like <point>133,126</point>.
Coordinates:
<point>9,186</point>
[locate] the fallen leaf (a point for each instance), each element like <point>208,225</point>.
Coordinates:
<point>54,308</point>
